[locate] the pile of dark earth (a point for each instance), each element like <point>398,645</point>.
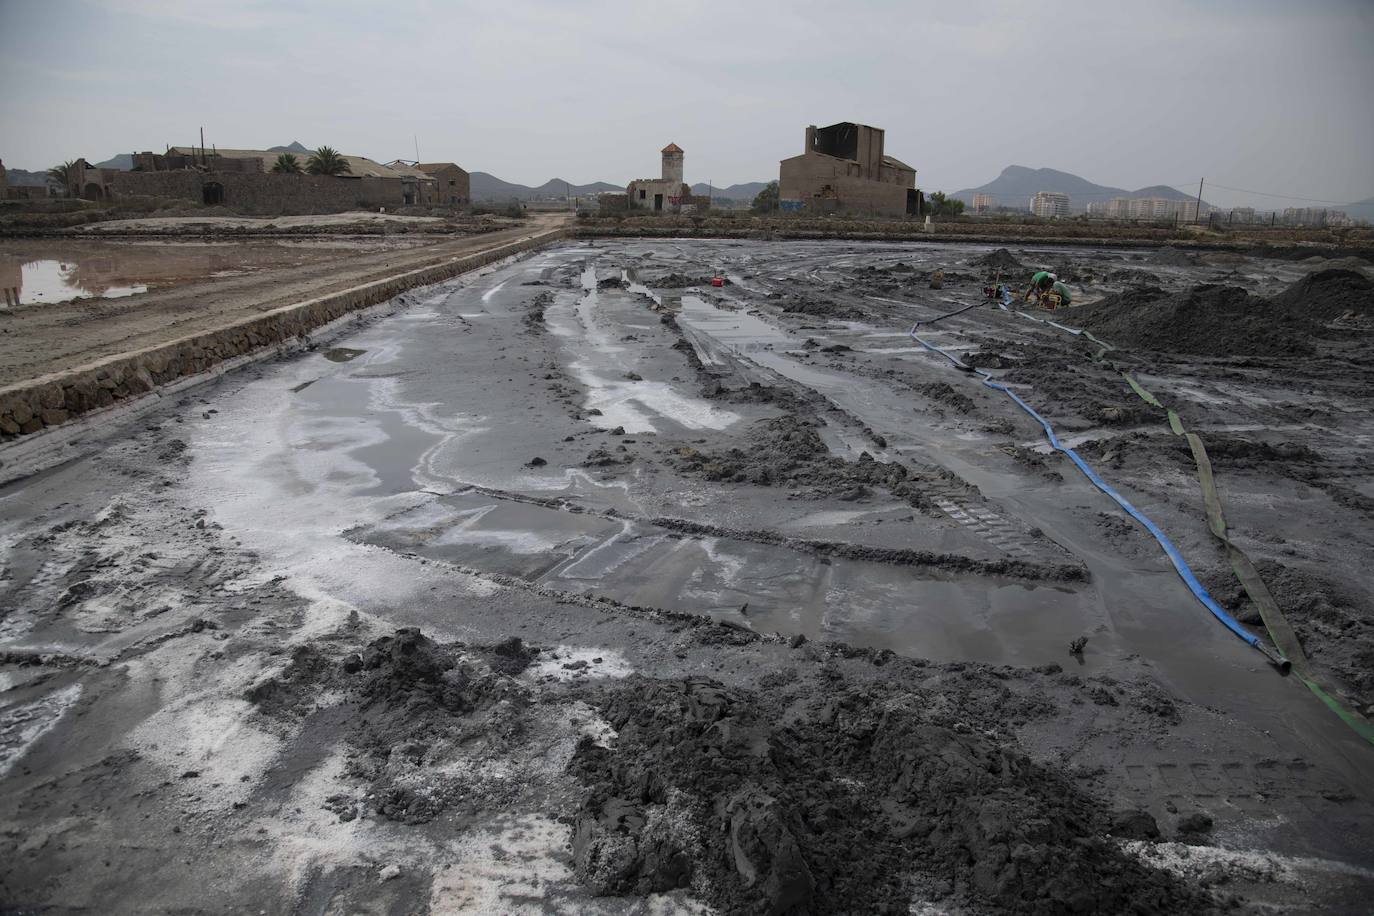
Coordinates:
<point>1210,320</point>
<point>673,281</point>
<point>1168,256</point>
<point>534,312</point>
<point>999,259</point>
<point>789,451</point>
<point>800,798</point>
<point>409,701</point>
<point>806,304</point>
<point>824,786</point>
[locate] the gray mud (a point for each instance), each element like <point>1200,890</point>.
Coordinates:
<point>1001,259</point>
<point>427,630</point>
<point>789,452</point>
<point>855,798</point>
<point>1211,320</point>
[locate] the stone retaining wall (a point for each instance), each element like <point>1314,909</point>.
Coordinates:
<point>58,398</point>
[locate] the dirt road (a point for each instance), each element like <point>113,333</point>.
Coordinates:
<point>584,586</point>
<point>41,339</point>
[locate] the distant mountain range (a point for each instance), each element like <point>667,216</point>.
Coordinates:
<point>488,187</point>
<point>22,179</point>
<point>122,161</point>
<point>1013,188</point>
<point>1018,184</point>
<point>1360,209</point>
<point>743,192</point>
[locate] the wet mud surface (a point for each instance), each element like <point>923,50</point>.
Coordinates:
<point>579,585</point>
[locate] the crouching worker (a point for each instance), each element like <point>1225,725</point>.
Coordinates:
<point>1047,292</point>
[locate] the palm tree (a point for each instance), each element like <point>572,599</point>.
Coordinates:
<point>326,161</point>
<point>287,164</point>
<point>61,174</point>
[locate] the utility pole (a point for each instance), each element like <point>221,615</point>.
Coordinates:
<point>710,194</point>
<point>1197,214</point>
<point>416,138</point>
<point>202,146</point>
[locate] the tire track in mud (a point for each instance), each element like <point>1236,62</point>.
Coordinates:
<point>1017,568</point>
<point>954,497</point>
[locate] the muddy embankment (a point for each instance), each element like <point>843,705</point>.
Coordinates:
<point>54,400</point>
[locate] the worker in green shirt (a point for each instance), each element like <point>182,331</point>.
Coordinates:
<point>1047,290</point>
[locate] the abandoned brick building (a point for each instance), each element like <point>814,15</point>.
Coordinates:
<point>453,185</point>
<point>666,193</point>
<point>243,179</point>
<point>844,168</point>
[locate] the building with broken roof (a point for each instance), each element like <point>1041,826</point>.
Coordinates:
<point>668,192</point>
<point>844,167</point>
<point>452,183</point>
<point>417,187</point>
<point>243,179</point>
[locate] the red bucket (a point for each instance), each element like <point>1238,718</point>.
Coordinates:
<point>717,281</point>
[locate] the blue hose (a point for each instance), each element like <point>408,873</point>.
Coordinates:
<point>1180,565</point>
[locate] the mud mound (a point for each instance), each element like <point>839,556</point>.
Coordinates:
<point>511,656</point>
<point>1169,256</point>
<point>858,801</point>
<point>947,394</point>
<point>1303,252</point>
<point>1206,320</point>
<point>421,701</point>
<point>673,281</point>
<point>1327,295</point>
<point>754,393</point>
<point>1211,320</point>
<point>1001,258</point>
<point>411,673</point>
<point>534,312</point>
<point>819,308</point>
<point>788,451</point>
<point>292,692</point>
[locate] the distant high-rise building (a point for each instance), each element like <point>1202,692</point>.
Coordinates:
<point>1310,216</point>
<point>982,203</point>
<point>1152,208</point>
<point>1050,204</point>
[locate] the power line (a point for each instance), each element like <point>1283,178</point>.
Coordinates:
<point>1310,200</point>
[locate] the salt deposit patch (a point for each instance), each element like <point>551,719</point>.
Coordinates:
<point>633,405</point>
<point>1212,865</point>
<point>523,867</point>
<point>211,738</point>
<point>487,296</point>
<point>567,662</point>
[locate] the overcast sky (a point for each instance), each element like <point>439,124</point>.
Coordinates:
<point>1268,95</point>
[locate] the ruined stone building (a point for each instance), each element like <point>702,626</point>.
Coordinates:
<point>453,185</point>
<point>89,182</point>
<point>844,167</point>
<point>417,187</point>
<point>666,193</point>
<point>243,179</point>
